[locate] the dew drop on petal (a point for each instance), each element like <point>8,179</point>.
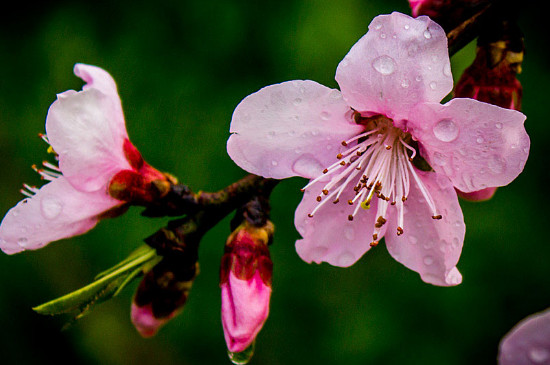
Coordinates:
<point>538,355</point>
<point>407,27</point>
<point>384,65</point>
<point>427,34</point>
<point>447,70</point>
<point>433,85</point>
<point>274,163</point>
<point>445,130</point>
<point>378,26</point>
<point>405,83</point>
<point>498,125</point>
<point>349,233</point>
<point>383,35</point>
<point>297,101</point>
<point>346,259</point>
<point>318,253</point>
<point>307,166</point>
<point>325,115</point>
<point>496,164</point>
<point>22,242</point>
<point>480,140</point>
<point>50,206</point>
<point>428,260</point>
<point>271,134</point>
<point>439,159</point>
<point>413,240</point>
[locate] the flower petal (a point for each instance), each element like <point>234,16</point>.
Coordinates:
<point>329,236</point>
<point>528,343</point>
<point>428,246</point>
<point>82,129</point>
<point>99,79</point>
<point>56,211</point>
<point>400,62</point>
<point>477,145</point>
<point>290,129</point>
<point>245,307</point>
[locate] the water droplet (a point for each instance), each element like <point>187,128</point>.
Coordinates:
<point>383,35</point>
<point>325,115</point>
<point>292,133</point>
<point>526,150</point>
<point>243,357</point>
<point>346,259</point>
<point>453,277</point>
<point>329,147</point>
<point>297,101</point>
<point>314,132</point>
<point>23,242</point>
<point>349,233</point>
<point>455,243</point>
<point>378,26</point>
<point>384,64</point>
<point>271,134</point>
<point>418,78</point>
<point>428,260</point>
<point>498,125</point>
<point>50,206</point>
<point>433,85</point>
<point>307,166</point>
<point>427,34</point>
<point>318,253</point>
<point>447,70</point>
<point>344,63</point>
<point>496,164</point>
<point>480,140</point>
<point>405,83</point>
<point>274,163</point>
<point>15,213</point>
<point>413,240</point>
<point>336,95</point>
<point>462,151</point>
<point>298,151</point>
<point>445,130</point>
<point>439,159</point>
<point>302,90</point>
<point>538,355</point>
<point>394,36</point>
<point>407,27</point>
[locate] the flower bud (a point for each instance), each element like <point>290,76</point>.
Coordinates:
<point>447,13</point>
<point>162,294</point>
<point>245,281</point>
<point>141,185</point>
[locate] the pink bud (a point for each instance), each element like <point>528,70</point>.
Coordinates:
<point>245,281</point>
<point>245,307</point>
<point>145,322</point>
<point>478,196</point>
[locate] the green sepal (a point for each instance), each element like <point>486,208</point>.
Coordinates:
<point>106,285</point>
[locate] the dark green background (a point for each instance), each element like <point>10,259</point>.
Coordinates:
<point>181,68</point>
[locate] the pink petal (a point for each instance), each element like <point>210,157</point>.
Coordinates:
<point>56,211</point>
<point>245,307</point>
<point>329,236</point>
<point>87,130</point>
<point>477,145</point>
<point>528,343</point>
<point>400,62</point>
<point>290,129</point>
<point>428,246</point>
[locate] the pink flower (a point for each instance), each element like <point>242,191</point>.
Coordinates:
<point>97,163</point>
<point>367,148</point>
<point>245,281</point>
<point>528,343</point>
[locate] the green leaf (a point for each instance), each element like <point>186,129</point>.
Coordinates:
<point>107,285</point>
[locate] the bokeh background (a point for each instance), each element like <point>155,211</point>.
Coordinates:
<point>182,67</point>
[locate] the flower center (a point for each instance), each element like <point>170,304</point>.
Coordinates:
<point>376,164</point>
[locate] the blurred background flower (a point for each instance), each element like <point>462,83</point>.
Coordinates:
<point>181,68</point>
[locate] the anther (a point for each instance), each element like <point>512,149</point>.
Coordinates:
<point>393,202</point>
<point>339,156</point>
<point>336,201</point>
<point>310,215</point>
<point>375,237</point>
<point>325,171</point>
<point>437,216</point>
<point>350,202</point>
<point>403,199</point>
<point>380,222</point>
<point>344,143</point>
<point>350,217</point>
<point>399,231</point>
<point>319,198</point>
<point>343,163</point>
<point>374,244</point>
<point>325,191</point>
<point>388,148</point>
